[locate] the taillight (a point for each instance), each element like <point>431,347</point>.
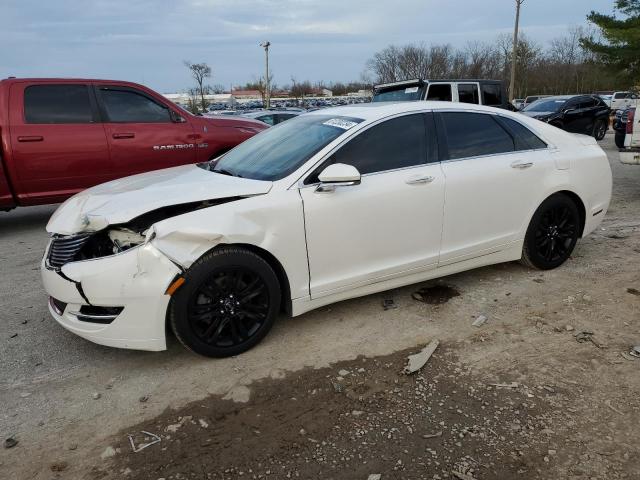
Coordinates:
<point>631,114</point>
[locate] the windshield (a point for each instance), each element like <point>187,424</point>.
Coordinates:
<point>280,150</point>
<point>399,94</point>
<point>545,106</point>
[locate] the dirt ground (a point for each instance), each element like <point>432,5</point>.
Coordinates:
<point>325,397</point>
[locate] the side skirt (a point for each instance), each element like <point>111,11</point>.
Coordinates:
<point>509,254</point>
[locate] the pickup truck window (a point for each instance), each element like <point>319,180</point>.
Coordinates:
<point>46,104</point>
<point>491,94</point>
<point>130,106</point>
<point>440,92</point>
<point>468,93</point>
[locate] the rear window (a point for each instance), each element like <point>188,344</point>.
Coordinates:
<point>474,135</point>
<point>57,104</point>
<point>524,138</point>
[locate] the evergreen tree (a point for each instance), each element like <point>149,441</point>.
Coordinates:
<point>620,45</point>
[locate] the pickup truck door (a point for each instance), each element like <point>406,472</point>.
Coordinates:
<point>144,134</point>
<point>58,145</point>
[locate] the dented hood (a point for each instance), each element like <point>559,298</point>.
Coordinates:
<point>122,200</point>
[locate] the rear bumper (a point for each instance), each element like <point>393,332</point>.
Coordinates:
<point>135,280</point>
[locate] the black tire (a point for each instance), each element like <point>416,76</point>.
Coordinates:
<point>552,233</point>
<point>600,129</point>
<point>620,138</point>
<point>228,303</point>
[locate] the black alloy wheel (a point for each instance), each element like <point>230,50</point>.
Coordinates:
<point>600,129</point>
<point>228,303</point>
<point>552,233</point>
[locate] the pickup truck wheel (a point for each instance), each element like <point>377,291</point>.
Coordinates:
<point>600,129</point>
<point>552,233</point>
<point>228,303</point>
<point>620,139</point>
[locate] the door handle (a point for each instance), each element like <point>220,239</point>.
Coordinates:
<point>420,180</point>
<point>31,138</point>
<point>521,165</point>
<point>123,135</point>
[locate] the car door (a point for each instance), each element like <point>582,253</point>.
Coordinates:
<point>573,117</point>
<point>387,226</point>
<point>58,144</point>
<point>143,133</point>
<point>492,178</point>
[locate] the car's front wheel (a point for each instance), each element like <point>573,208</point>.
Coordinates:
<point>552,233</point>
<point>228,303</point>
<point>600,129</point>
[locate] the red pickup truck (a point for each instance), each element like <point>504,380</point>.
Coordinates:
<point>60,136</point>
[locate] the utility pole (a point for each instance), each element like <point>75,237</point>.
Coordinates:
<point>514,55</point>
<point>267,93</point>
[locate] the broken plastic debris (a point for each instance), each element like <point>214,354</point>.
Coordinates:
<point>419,360</point>
<point>505,385</point>
<point>154,439</point>
<point>389,303</point>
<point>481,320</point>
<point>635,351</point>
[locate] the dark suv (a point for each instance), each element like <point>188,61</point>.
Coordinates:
<point>587,114</point>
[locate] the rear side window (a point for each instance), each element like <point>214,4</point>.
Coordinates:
<point>524,138</point>
<point>441,92</point>
<point>268,119</point>
<point>474,134</point>
<point>397,143</point>
<point>131,106</point>
<point>492,94</point>
<point>57,104</point>
<point>468,93</point>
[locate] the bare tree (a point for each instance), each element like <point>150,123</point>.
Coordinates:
<point>200,72</point>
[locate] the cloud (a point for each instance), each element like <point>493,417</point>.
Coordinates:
<point>146,40</point>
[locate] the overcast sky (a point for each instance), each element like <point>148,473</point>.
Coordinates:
<point>146,40</point>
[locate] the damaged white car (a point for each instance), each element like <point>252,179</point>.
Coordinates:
<point>331,205</point>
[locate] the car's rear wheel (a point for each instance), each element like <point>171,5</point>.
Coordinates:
<point>620,138</point>
<point>599,129</point>
<point>228,303</point>
<point>552,233</point>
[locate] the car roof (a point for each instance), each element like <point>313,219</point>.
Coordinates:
<point>374,111</point>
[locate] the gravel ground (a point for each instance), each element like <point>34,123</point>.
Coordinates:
<point>69,402</point>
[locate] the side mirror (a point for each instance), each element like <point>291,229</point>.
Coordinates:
<point>176,118</point>
<point>338,175</point>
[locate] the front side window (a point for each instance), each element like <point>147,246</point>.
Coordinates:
<point>468,93</point>
<point>131,106</point>
<point>474,134</point>
<point>439,92</point>
<point>491,94</point>
<point>50,104</point>
<point>397,143</point>
<point>279,151</point>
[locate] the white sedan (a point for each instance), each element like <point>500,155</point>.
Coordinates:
<point>330,205</point>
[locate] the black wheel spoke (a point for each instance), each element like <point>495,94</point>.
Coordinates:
<point>229,307</point>
<point>555,233</point>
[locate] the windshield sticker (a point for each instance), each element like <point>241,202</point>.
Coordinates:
<point>340,123</point>
<point>411,90</point>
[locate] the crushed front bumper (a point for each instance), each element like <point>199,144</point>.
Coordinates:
<point>135,279</point>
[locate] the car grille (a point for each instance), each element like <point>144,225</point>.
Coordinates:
<point>64,248</point>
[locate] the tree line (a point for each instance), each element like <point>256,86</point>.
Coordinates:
<point>565,66</point>
<point>605,56</point>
